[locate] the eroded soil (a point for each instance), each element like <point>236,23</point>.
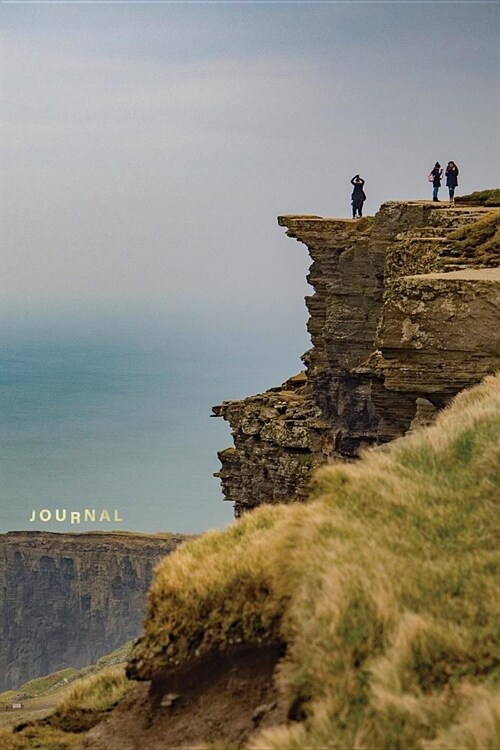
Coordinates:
<point>225,700</point>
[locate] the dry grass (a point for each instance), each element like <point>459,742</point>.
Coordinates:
<point>489,197</point>
<point>480,240</point>
<point>85,704</point>
<point>384,589</point>
<point>42,696</point>
<point>96,693</point>
<point>40,738</point>
<point>89,700</point>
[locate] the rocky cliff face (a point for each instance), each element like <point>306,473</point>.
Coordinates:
<point>403,316</point>
<point>68,599</point>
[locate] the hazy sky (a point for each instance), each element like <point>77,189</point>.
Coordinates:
<point>147,148</point>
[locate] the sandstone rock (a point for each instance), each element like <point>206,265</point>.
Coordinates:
<point>400,321</point>
<point>437,333</point>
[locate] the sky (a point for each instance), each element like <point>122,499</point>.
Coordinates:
<point>147,148</point>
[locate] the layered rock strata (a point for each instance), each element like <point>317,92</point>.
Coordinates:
<point>68,599</point>
<point>400,321</point>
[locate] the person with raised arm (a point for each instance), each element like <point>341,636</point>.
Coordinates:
<point>358,196</point>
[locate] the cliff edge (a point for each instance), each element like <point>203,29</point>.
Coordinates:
<point>403,316</point>
<point>68,599</point>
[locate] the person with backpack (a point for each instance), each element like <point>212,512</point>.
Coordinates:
<point>451,175</point>
<point>435,178</point>
<point>358,196</point>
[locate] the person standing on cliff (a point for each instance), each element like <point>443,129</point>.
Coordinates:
<point>435,178</point>
<point>358,196</point>
<point>451,175</point>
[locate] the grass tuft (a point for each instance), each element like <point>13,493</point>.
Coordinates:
<point>479,240</point>
<point>89,700</point>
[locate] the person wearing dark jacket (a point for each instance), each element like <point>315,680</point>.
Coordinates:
<point>358,196</point>
<point>436,175</point>
<point>451,175</point>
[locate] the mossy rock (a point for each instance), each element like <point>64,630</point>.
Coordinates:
<point>490,197</point>
<point>479,240</point>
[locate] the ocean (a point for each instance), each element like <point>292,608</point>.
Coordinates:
<point>119,422</point>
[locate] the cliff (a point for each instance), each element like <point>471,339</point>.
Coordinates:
<point>68,599</point>
<point>403,316</point>
<point>367,616</point>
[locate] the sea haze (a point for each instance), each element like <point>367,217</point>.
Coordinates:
<point>121,420</point>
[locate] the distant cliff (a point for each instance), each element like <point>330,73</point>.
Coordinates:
<point>67,599</point>
<point>404,315</point>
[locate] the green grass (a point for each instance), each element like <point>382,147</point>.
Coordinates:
<point>40,687</point>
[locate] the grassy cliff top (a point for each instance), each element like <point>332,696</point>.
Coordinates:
<point>490,197</point>
<point>383,589</point>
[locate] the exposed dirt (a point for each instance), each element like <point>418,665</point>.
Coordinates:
<point>212,702</point>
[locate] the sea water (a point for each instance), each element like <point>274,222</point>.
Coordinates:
<point>114,431</point>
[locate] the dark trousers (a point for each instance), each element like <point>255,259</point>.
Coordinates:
<point>357,206</point>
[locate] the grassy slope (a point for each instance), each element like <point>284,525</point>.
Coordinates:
<point>384,588</point>
<point>40,697</point>
<point>56,708</point>
<point>81,707</point>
